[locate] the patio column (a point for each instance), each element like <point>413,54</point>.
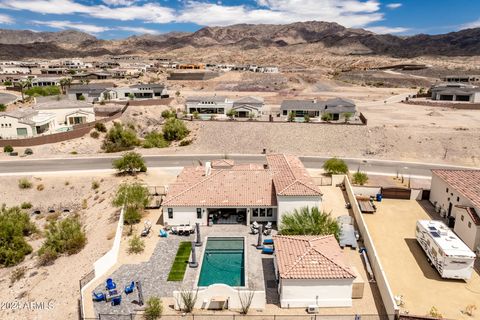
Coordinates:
<point>247,218</point>
<point>260,237</point>
<point>193,263</point>
<point>198,243</point>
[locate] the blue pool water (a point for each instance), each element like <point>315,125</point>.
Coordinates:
<point>223,262</point>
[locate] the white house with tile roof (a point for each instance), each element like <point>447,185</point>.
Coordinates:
<point>311,270</point>
<point>225,192</point>
<point>456,196</point>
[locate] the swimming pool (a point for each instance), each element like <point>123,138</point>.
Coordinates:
<point>223,262</point>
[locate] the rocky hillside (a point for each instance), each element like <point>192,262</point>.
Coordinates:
<point>332,36</point>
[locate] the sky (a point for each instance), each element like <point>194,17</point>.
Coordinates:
<point>111,19</point>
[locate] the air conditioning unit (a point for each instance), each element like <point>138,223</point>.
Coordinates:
<point>312,309</point>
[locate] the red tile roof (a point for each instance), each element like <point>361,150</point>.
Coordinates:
<point>310,257</point>
<point>466,182</point>
<point>472,213</point>
<point>291,178</point>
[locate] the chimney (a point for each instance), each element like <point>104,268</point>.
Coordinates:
<point>208,168</point>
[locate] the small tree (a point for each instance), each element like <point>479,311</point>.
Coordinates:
<point>246,298</point>
<point>196,115</point>
<point>168,114</point>
<point>309,221</point>
<point>327,117</point>
<point>8,148</point>
<point>335,166</point>
<point>131,96</point>
<point>360,178</point>
<point>175,129</point>
<point>347,116</point>
<point>306,118</point>
<point>136,244</point>
<point>189,298</point>
<point>2,107</point>
<point>131,162</point>
<point>231,113</point>
<point>291,116</point>
<point>154,309</point>
<point>132,195</point>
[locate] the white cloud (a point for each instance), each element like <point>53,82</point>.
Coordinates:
<point>64,24</point>
<point>470,25</point>
<point>148,12</point>
<point>394,5</point>
<point>138,30</point>
<point>46,6</point>
<point>4,19</point>
<point>119,2</point>
<point>385,30</point>
<point>350,13</point>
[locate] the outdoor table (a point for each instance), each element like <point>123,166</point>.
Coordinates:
<point>111,294</point>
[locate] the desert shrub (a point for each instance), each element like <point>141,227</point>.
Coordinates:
<point>47,257</point>
<point>335,166</point>
<point>168,114</point>
<point>94,134</point>
<point>2,107</point>
<point>309,221</point>
<point>306,118</point>
<point>43,91</point>
<point>24,183</point>
<point>174,129</point>
<point>74,152</point>
<point>136,244</point>
<point>26,205</point>
<point>155,139</point>
<point>66,236</point>
<point>119,138</point>
<point>95,185</point>
<point>185,142</point>
<point>14,226</point>
<point>360,178</point>
<point>131,162</point>
<point>40,187</point>
<point>81,97</point>
<point>196,115</point>
<point>100,127</point>
<point>8,149</point>
<point>433,312</point>
<point>17,274</point>
<point>52,217</point>
<point>7,83</point>
<point>28,151</point>
<point>347,116</point>
<point>154,309</point>
<point>327,117</point>
<point>291,116</point>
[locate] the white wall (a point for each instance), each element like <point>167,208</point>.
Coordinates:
<point>469,235</point>
<point>222,290</point>
<point>299,293</point>
<point>439,193</point>
<point>61,114</point>
<point>286,204</point>
<point>185,215</point>
<point>366,191</point>
<point>8,131</point>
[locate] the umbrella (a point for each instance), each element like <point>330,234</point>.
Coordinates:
<point>193,263</point>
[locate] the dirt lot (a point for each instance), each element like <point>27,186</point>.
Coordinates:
<point>409,274</point>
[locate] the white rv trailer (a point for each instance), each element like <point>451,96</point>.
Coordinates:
<point>445,251</point>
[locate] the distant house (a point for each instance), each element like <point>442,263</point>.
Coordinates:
<point>46,81</point>
<point>89,93</point>
<point>459,92</point>
<point>138,91</point>
<point>461,78</point>
<point>456,196</point>
<point>23,123</point>
<point>54,70</point>
<point>97,75</point>
<point>337,107</point>
<point>246,106</point>
<point>220,105</point>
<point>67,112</point>
<point>311,270</point>
<point>225,192</point>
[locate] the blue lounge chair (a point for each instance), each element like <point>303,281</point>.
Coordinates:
<point>267,250</point>
<point>100,296</point>
<point>116,301</point>
<point>110,285</point>
<point>130,287</point>
<point>163,233</point>
<point>268,241</point>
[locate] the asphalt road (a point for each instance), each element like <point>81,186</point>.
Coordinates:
<point>380,167</point>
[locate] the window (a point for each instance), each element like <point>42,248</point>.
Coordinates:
<point>199,213</point>
<point>446,190</point>
<point>255,212</point>
<point>458,199</point>
<point>262,212</point>
<point>469,224</point>
<point>269,212</point>
<point>285,112</point>
<point>462,217</point>
<point>170,213</point>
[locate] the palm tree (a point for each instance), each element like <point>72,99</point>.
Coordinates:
<point>27,83</point>
<point>65,83</point>
<point>309,221</point>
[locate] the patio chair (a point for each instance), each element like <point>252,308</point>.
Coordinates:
<point>146,228</point>
<point>129,288</point>
<point>268,225</point>
<point>163,233</point>
<point>110,285</point>
<point>253,230</point>
<point>267,232</point>
<point>98,296</point>
<point>268,250</point>
<point>255,225</point>
<point>116,301</point>
<point>268,241</point>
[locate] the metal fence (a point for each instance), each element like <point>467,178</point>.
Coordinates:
<point>248,317</point>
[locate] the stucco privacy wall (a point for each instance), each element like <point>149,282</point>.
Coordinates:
<point>380,276</point>
<point>204,297</point>
<point>102,265</point>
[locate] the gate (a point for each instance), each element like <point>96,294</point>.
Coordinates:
<point>396,193</point>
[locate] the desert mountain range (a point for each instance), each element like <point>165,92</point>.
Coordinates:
<point>18,44</point>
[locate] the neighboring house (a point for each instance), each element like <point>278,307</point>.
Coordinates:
<point>54,71</point>
<point>90,93</point>
<point>222,192</point>
<point>67,112</point>
<point>246,106</point>
<point>456,196</point>
<point>459,92</point>
<point>208,105</point>
<point>14,69</point>
<point>462,78</point>
<point>46,81</point>
<point>311,270</point>
<point>97,75</point>
<point>23,123</point>
<point>138,91</point>
<point>337,107</point>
